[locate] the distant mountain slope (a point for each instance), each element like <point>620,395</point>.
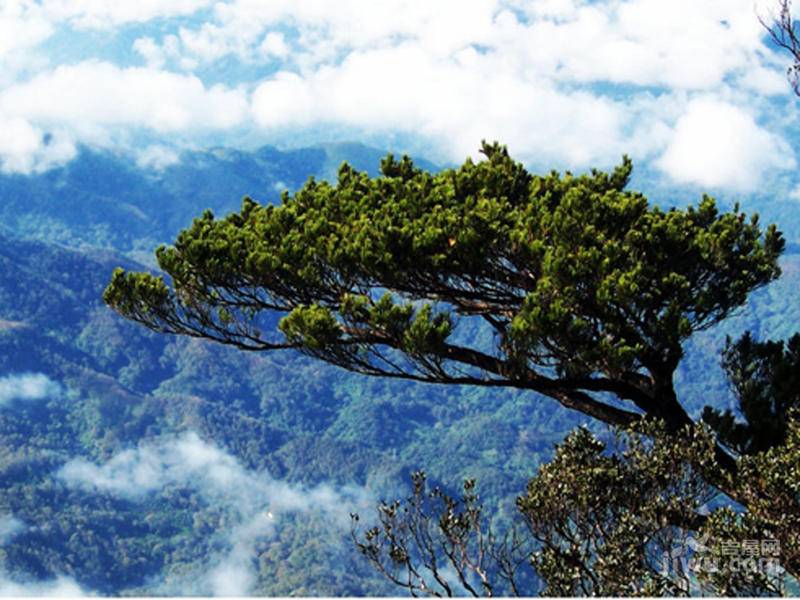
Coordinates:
<point>300,421</point>
<point>104,200</point>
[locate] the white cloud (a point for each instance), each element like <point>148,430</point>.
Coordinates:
<point>25,147</point>
<point>152,53</point>
<point>19,144</point>
<point>680,44</point>
<point>91,94</point>
<point>27,387</point>
<point>156,157</point>
<point>529,83</point>
<point>156,56</point>
<point>239,27</point>
<point>455,103</point>
<point>26,24</point>
<point>22,27</point>
<point>546,8</point>
<point>717,144</point>
<point>256,500</point>
<point>188,460</point>
<point>62,587</point>
<point>100,104</point>
<point>274,44</point>
<point>101,14</point>
<point>565,83</point>
<point>233,574</point>
<point>9,527</point>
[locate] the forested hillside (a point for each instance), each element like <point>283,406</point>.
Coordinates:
<point>136,463</point>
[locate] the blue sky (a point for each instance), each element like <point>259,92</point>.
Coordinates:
<point>688,88</point>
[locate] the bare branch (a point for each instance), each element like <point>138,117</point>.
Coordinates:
<point>782,31</point>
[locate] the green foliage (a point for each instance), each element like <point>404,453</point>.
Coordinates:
<point>632,518</point>
<point>771,488</point>
<point>765,377</point>
<point>614,519</point>
<point>439,545</point>
<point>573,275</point>
<point>604,522</point>
<point>311,326</point>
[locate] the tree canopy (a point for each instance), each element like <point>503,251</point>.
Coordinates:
<point>765,377</point>
<point>587,288</point>
<point>600,520</point>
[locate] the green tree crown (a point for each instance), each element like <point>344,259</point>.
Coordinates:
<point>585,286</point>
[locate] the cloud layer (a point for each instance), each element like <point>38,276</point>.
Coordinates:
<point>26,387</point>
<point>60,587</point>
<point>566,83</point>
<point>9,527</point>
<point>714,140</point>
<point>255,500</point>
